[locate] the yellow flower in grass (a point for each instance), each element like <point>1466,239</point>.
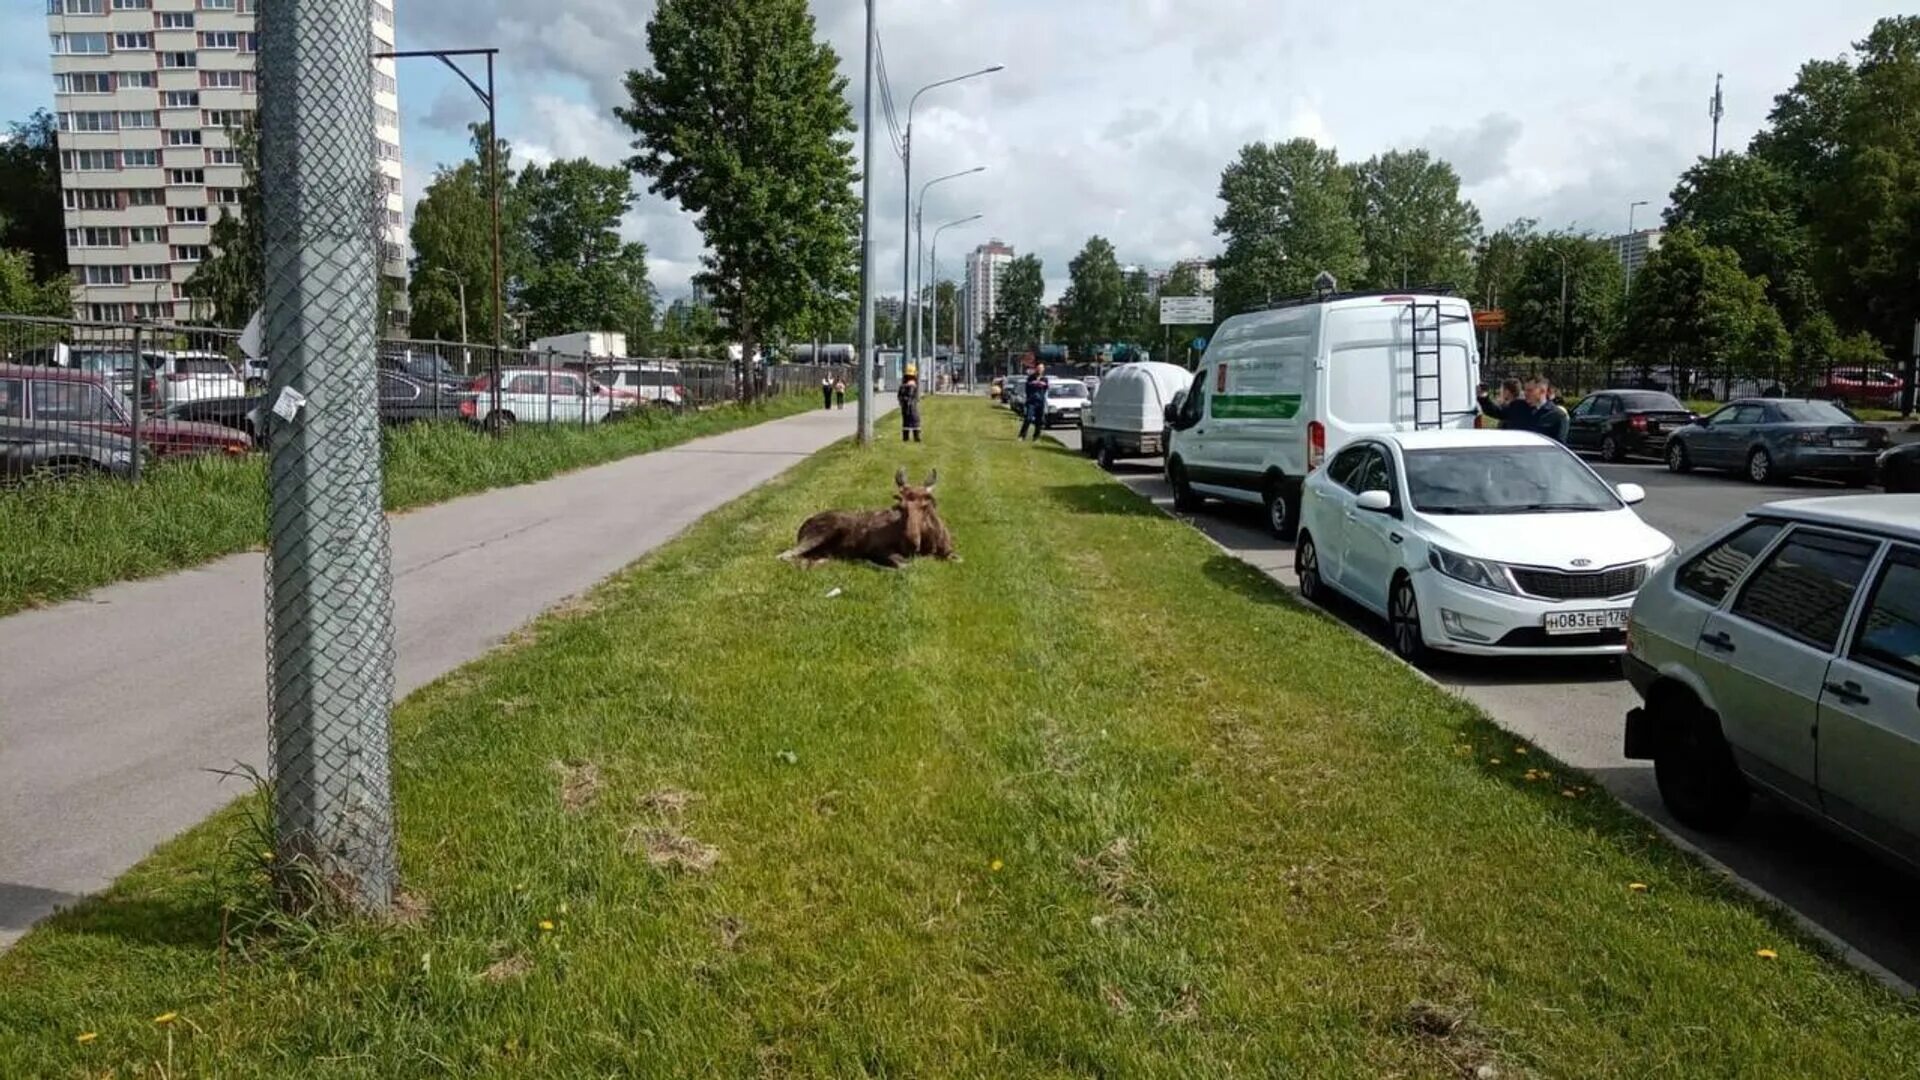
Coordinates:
<point>1766,954</point>
<point>166,1018</point>
<point>86,1036</point>
<point>546,925</point>
<point>996,866</point>
<point>1638,886</point>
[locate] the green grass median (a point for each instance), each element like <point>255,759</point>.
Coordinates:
<point>1098,800</point>
<point>59,541</point>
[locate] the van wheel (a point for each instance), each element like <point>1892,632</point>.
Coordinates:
<point>1403,616</point>
<point>1184,498</point>
<point>1283,511</point>
<point>1107,458</point>
<point>1306,567</point>
<point>1677,460</point>
<point>501,422</point>
<point>1694,769</point>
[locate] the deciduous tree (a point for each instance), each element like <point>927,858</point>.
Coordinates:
<point>1414,226</point>
<point>31,217</point>
<point>1020,317</point>
<point>576,272</point>
<point>1694,310</point>
<point>1288,218</point>
<point>1091,309</point>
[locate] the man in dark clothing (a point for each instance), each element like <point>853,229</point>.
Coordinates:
<point>1035,416</point>
<point>826,391</point>
<point>1534,412</point>
<point>909,395</point>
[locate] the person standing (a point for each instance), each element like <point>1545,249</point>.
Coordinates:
<point>1508,409</point>
<point>909,395</point>
<point>1035,416</point>
<point>826,391</point>
<point>1549,418</point>
<point>840,391</point>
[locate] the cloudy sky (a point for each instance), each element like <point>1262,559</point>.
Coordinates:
<point>1116,116</point>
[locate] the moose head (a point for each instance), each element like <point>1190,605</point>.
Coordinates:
<point>916,504</point>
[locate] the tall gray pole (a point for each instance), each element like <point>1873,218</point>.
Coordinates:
<point>906,200</point>
<point>933,334</point>
<point>329,586</point>
<point>865,350</point>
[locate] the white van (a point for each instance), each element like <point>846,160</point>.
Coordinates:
<point>1279,390</point>
<point>1128,414</point>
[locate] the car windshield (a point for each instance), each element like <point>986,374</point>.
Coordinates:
<point>1504,480</point>
<point>1813,412</point>
<point>1067,390</point>
<point>1649,401</point>
<point>202,366</point>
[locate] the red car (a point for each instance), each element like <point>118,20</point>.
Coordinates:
<point>58,396</point>
<point>1874,389</point>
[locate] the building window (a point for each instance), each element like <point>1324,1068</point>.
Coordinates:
<point>386,150</point>
<point>83,82</point>
<point>385,117</point>
<point>224,118</point>
<point>249,43</point>
<point>133,5</point>
<point>179,60</point>
<point>222,80</point>
<point>181,99</point>
<point>85,7</point>
<point>176,20</point>
<point>183,137</point>
<point>189,253</point>
<point>216,5</point>
<point>148,272</point>
<point>80,44</point>
<point>223,156</point>
<point>95,237</point>
<point>189,215</point>
<point>186,177</point>
<point>139,119</point>
<point>147,234</point>
<point>386,82</point>
<point>145,80</point>
<point>105,275</point>
<point>89,121</point>
<point>146,197</point>
<point>140,41</point>
<point>219,39</point>
<point>224,195</point>
<point>139,159</point>
<point>90,160</point>
<point>91,199</point>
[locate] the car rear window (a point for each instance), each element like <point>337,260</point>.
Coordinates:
<point>202,367</point>
<point>1711,575</point>
<point>1067,390</point>
<point>1813,412</point>
<point>1806,586</point>
<point>1649,401</point>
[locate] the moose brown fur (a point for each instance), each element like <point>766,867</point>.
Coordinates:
<point>890,537</point>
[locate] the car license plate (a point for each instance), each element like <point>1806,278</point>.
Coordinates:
<point>1653,427</point>
<point>1586,622</point>
<point>1850,444</point>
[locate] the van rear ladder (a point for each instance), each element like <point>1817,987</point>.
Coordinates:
<point>1429,319</point>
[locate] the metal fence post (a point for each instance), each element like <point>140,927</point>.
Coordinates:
<point>330,610</point>
<point>548,418</point>
<point>133,408</point>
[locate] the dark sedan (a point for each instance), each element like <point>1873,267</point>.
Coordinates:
<point>81,400</point>
<point>1900,469</point>
<point>36,451</point>
<point>404,399</point>
<point>1770,439</point>
<point>1617,424</point>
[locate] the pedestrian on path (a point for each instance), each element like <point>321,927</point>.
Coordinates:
<point>909,395</point>
<point>840,392</point>
<point>826,391</point>
<point>1035,416</point>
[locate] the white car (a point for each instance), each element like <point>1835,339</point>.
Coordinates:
<point>536,396</point>
<point>1494,543</point>
<point>655,383</point>
<point>1065,399</point>
<point>182,377</point>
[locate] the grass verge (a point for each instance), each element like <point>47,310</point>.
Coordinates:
<point>1098,800</point>
<point>64,540</point>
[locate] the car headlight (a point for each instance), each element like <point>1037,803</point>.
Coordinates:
<point>1479,573</point>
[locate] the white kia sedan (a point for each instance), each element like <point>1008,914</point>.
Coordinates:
<point>1495,543</point>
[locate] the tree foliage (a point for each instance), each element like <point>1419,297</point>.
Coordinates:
<point>574,270</point>
<point>1539,321</point>
<point>1020,316</point>
<point>1414,227</point>
<point>1091,309</point>
<point>744,121</point>
<point>31,216</point>
<point>1288,218</point>
<point>22,292</point>
<point>452,237</point>
<point>1695,309</point>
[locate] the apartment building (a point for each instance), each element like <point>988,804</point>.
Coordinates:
<point>147,93</point>
<point>1633,248</point>
<point>986,266</point>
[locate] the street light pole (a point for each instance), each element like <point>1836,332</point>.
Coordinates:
<point>864,349</point>
<point>933,352</point>
<point>906,193</point>
<point>1563,305</point>
<point>919,220</point>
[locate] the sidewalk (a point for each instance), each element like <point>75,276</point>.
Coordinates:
<point>113,707</point>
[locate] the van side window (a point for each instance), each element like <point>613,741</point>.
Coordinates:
<point>1711,575</point>
<point>1889,634</point>
<point>1194,407</point>
<point>1806,586</point>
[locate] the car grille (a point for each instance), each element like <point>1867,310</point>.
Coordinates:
<point>1591,585</point>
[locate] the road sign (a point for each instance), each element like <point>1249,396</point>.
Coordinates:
<point>1186,311</point>
<point>1495,319</point>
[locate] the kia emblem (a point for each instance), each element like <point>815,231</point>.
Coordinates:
<point>1583,562</point>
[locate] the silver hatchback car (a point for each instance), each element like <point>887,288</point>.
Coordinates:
<point>1783,655</point>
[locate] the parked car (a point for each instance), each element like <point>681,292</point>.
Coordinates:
<point>33,451</point>
<point>1066,398</point>
<point>1618,424</point>
<point>175,378</point>
<point>1783,657</point>
<point>1872,389</point>
<point>1127,415</point>
<point>82,399</point>
<point>996,388</point>
<point>403,400</point>
<point>1900,468</point>
<point>427,367</point>
<point>1279,390</point>
<point>643,383</point>
<point>1494,543</point>
<point>1772,439</point>
<point>535,396</point>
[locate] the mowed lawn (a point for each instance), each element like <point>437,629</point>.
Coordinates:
<point>1096,801</point>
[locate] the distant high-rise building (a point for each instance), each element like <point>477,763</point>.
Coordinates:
<point>1633,248</point>
<point>986,267</point>
<point>1203,272</point>
<point>147,93</point>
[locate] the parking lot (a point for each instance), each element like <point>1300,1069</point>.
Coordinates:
<point>1574,710</point>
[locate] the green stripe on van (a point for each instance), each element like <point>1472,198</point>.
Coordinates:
<point>1256,406</point>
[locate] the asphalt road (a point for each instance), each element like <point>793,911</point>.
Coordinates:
<point>115,708</point>
<point>1574,710</point>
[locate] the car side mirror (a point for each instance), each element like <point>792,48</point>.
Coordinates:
<point>1377,501</point>
<point>1173,415</point>
<point>1699,421</point>
<point>1631,493</point>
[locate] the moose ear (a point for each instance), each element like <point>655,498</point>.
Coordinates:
<point>900,477</point>
<point>932,479</point>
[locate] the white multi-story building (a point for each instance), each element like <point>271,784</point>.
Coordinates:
<point>147,92</point>
<point>986,266</point>
<point>1633,248</point>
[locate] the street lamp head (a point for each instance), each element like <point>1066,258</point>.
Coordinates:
<point>994,68</point>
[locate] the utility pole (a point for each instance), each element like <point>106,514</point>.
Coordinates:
<point>864,349</point>
<point>906,193</point>
<point>1717,108</point>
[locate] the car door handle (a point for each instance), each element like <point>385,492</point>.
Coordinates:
<point>1849,692</point>
<point>1720,641</point>
<point>1395,537</point>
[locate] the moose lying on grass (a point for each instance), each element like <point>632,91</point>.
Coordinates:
<point>885,537</point>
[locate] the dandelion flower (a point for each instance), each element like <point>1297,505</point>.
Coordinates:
<point>1638,886</point>
<point>1521,750</point>
<point>996,865</point>
<point>1766,954</point>
<point>1567,793</point>
<point>1495,761</point>
<point>563,909</point>
<point>267,855</point>
<point>166,1018</point>
<point>86,1036</point>
<point>546,924</point>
